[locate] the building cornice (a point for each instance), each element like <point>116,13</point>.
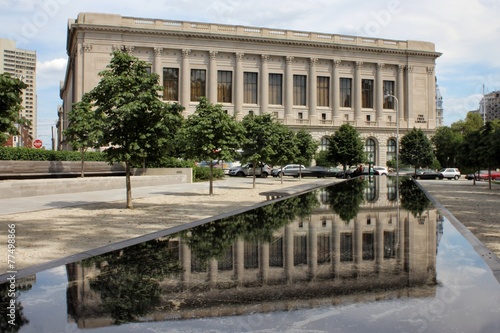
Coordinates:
<point>193,30</point>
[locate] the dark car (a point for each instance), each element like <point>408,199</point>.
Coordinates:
<point>428,174</point>
<point>319,172</point>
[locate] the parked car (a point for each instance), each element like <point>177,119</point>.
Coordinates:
<point>381,171</point>
<point>428,174</point>
<point>288,170</point>
<point>348,172</point>
<point>262,170</point>
<point>319,172</point>
<point>484,175</point>
<point>450,173</point>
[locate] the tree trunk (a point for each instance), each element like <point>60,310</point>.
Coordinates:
<point>129,186</point>
<point>211,186</point>
<point>82,152</point>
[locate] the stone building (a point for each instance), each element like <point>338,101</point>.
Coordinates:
<point>311,80</point>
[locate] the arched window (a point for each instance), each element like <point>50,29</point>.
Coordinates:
<point>370,151</point>
<point>391,150</point>
<point>323,145</point>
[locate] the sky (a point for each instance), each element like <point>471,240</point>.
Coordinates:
<point>466,32</point>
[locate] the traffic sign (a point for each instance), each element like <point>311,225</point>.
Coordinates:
<point>37,143</point>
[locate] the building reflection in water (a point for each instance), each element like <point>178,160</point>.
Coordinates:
<point>288,255</point>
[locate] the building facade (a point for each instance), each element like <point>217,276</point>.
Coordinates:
<point>21,64</point>
<point>489,107</point>
<point>316,81</point>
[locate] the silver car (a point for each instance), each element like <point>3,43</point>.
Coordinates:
<point>263,170</point>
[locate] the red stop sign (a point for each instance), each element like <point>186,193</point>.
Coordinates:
<point>37,143</point>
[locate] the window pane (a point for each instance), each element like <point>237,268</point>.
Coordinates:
<point>345,92</point>
<point>276,89</point>
<point>391,150</point>
<point>367,93</point>
<point>299,90</point>
<point>323,87</point>
<point>224,86</point>
<point>389,89</point>
<point>198,84</point>
<point>250,88</point>
<point>170,84</point>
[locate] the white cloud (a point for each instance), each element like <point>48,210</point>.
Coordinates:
<point>50,73</point>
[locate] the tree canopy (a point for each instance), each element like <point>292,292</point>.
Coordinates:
<point>11,90</point>
<point>416,149</point>
<point>138,125</point>
<point>84,128</point>
<point>261,139</point>
<point>346,147</point>
<point>210,134</point>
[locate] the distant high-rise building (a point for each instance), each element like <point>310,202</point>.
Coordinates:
<point>439,107</point>
<point>489,107</point>
<point>22,65</point>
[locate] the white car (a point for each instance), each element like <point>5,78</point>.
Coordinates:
<point>381,171</point>
<point>288,170</point>
<point>450,173</point>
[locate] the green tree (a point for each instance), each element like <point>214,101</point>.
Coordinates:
<point>473,122</point>
<point>307,147</point>
<point>138,125</point>
<point>261,139</point>
<point>346,197</point>
<point>446,142</point>
<point>210,134</point>
<point>286,150</point>
<point>84,128</point>
<point>11,90</point>
<point>469,154</point>
<point>416,149</point>
<point>346,147</point>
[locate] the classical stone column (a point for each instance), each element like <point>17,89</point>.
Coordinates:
<point>431,99</point>
<point>379,95</point>
<point>238,84</point>
<point>212,78</point>
<point>185,258</point>
<point>185,81</point>
<point>400,94</point>
<point>213,271</point>
<point>357,91</point>
<point>379,245</point>
<point>239,260</point>
<point>157,66</point>
<point>313,87</point>
<point>288,252</point>
<point>264,263</point>
<point>336,247</point>
<point>409,112</point>
<point>264,84</point>
<point>358,246</point>
<point>312,249</point>
<point>289,88</point>
<point>336,93</point>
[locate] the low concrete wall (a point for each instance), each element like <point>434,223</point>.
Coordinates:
<point>57,168</point>
<point>36,187</point>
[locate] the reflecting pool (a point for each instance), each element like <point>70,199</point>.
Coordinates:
<point>354,257</point>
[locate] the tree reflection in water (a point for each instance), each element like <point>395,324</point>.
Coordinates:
<point>346,197</point>
<point>412,198</point>
<point>128,282</point>
<point>211,240</point>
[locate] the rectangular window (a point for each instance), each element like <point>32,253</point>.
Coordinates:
<point>299,89</point>
<point>345,92</point>
<point>170,84</point>
<point>250,88</point>
<point>367,94</point>
<point>198,84</point>
<point>323,88</point>
<point>389,89</point>
<point>276,89</point>
<point>224,86</point>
